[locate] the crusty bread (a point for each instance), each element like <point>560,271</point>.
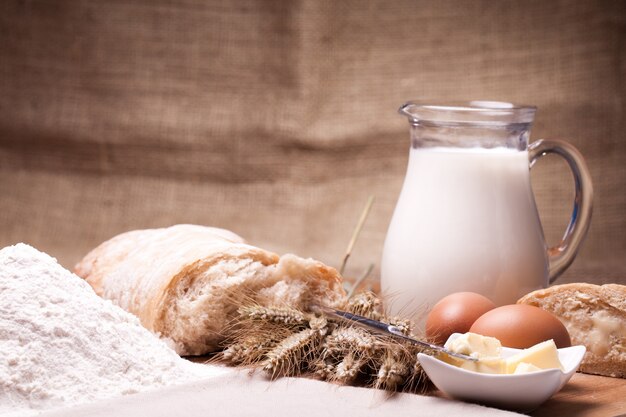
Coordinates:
<point>595,316</point>
<point>186,282</point>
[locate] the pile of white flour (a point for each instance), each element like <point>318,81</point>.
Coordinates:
<point>61,344</point>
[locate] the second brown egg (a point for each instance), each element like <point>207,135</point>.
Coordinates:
<point>521,326</point>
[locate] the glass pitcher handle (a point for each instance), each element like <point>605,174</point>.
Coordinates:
<point>562,255</point>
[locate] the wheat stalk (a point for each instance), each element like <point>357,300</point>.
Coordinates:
<point>284,315</point>
<point>392,373</point>
<point>366,304</point>
<point>248,351</point>
<point>360,280</point>
<point>285,341</point>
<point>357,231</point>
<point>348,338</point>
<point>289,356</point>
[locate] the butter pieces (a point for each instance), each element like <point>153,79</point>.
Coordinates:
<point>488,365</point>
<point>475,345</point>
<point>487,350</point>
<point>543,355</point>
<point>524,368</point>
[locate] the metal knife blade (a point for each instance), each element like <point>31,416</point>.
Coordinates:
<point>389,330</point>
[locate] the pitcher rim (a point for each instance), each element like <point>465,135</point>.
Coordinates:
<point>470,112</point>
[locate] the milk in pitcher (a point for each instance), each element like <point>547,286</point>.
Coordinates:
<point>465,221</point>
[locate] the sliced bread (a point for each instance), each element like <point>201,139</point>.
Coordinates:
<point>595,316</point>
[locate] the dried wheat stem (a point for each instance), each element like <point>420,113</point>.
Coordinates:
<point>357,231</point>
<point>417,380</point>
<point>360,280</point>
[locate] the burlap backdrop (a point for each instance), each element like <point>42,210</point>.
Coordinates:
<point>277,119</point>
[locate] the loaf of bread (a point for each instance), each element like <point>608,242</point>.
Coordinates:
<point>595,317</point>
<point>186,282</point>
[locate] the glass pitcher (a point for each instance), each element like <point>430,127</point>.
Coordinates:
<point>466,218</point>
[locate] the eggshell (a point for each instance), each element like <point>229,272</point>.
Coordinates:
<point>521,326</point>
<point>455,313</point>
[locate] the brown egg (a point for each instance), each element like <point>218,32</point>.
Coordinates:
<point>521,326</point>
<point>455,313</point>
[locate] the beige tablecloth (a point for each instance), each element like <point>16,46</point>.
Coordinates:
<point>239,394</point>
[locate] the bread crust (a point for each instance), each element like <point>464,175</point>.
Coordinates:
<point>595,316</point>
<point>185,282</point>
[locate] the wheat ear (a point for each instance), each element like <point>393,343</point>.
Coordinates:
<point>393,372</point>
<point>290,356</point>
<point>273,314</point>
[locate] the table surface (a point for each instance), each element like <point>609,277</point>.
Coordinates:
<point>587,396</point>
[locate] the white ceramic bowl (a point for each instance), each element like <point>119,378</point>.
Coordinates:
<point>521,392</point>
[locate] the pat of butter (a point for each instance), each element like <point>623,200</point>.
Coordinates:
<point>486,365</point>
<point>475,345</point>
<point>524,368</point>
<point>543,355</point>
<point>487,350</point>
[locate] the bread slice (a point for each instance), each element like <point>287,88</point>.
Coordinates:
<point>186,282</point>
<point>595,316</point>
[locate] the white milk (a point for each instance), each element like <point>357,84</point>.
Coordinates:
<point>466,220</point>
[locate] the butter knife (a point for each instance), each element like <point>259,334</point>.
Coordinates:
<point>388,329</point>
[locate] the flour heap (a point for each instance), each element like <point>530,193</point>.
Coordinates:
<point>61,344</point>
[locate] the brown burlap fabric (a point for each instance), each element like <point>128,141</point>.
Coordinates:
<point>276,119</point>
